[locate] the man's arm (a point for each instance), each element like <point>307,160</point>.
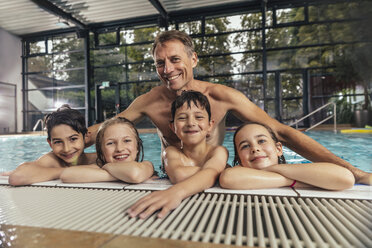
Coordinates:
<point>46,168</point>
<point>169,199</point>
<point>134,113</point>
<point>302,144</point>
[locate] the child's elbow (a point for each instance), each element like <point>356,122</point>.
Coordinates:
<point>136,176</point>
<point>65,176</point>
<point>346,180</point>
<point>227,179</point>
<point>18,179</point>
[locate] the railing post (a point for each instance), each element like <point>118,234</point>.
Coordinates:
<point>334,118</point>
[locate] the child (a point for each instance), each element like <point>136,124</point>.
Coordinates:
<point>66,131</point>
<point>260,164</point>
<point>118,147</point>
<point>194,166</point>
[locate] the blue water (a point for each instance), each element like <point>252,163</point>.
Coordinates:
<point>354,148</point>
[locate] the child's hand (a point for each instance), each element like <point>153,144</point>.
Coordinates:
<point>166,200</point>
<point>6,173</point>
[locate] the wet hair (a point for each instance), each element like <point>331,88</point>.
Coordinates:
<point>99,139</point>
<point>188,96</point>
<point>281,159</point>
<point>67,116</point>
<point>174,35</point>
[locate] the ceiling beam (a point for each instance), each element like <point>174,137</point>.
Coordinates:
<point>54,10</point>
<point>163,13</point>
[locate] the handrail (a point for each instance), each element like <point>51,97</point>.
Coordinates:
<point>37,124</point>
<point>320,122</point>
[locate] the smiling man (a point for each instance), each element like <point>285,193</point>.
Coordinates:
<point>175,58</point>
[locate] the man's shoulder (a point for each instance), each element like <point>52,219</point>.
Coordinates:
<point>151,95</point>
<point>220,91</point>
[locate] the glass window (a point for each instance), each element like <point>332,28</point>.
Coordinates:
<point>111,56</point>
<point>292,109</point>
<point>112,74</point>
<point>39,63</point>
<point>146,34</point>
<point>142,71</point>
<point>108,38</point>
<point>292,85</point>
<point>289,15</point>
<point>139,52</point>
<point>193,27</point>
<point>37,47</point>
<point>65,44</point>
<point>215,65</point>
<point>53,99</point>
<point>62,61</point>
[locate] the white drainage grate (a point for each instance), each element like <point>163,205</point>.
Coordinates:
<point>264,221</point>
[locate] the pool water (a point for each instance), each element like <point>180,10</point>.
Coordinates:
<point>354,148</point>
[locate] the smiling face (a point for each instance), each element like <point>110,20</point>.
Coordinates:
<point>191,124</point>
<point>173,65</point>
<point>119,143</point>
<point>66,143</point>
<point>256,148</point>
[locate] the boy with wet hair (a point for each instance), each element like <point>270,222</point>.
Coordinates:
<point>66,132</point>
<point>195,165</point>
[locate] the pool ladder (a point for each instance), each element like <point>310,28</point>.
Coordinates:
<point>40,121</point>
<point>322,121</point>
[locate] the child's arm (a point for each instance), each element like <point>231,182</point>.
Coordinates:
<point>176,170</point>
<point>130,172</point>
<point>46,168</point>
<point>86,174</point>
<point>240,177</point>
<point>323,175</point>
<point>169,199</point>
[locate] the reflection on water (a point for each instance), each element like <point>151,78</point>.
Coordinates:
<point>355,148</point>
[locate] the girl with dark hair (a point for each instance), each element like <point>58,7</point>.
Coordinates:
<point>119,149</point>
<point>259,163</point>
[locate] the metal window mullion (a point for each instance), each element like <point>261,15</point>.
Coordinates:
<point>269,226</point>
<point>231,220</point>
<point>213,220</point>
<point>298,224</point>
<point>220,225</point>
<point>259,225</point>
<point>327,223</point>
<point>116,212</point>
<point>201,226</point>
<point>196,218</point>
<point>360,227</point>
<point>190,215</point>
<point>315,223</point>
<point>340,222</point>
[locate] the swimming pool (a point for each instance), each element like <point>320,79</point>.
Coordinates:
<point>355,148</point>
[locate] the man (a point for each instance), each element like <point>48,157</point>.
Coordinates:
<point>175,58</point>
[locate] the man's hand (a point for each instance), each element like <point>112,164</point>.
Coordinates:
<point>166,200</point>
<point>364,178</point>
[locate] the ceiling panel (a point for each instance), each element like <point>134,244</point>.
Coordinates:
<point>24,17</point>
